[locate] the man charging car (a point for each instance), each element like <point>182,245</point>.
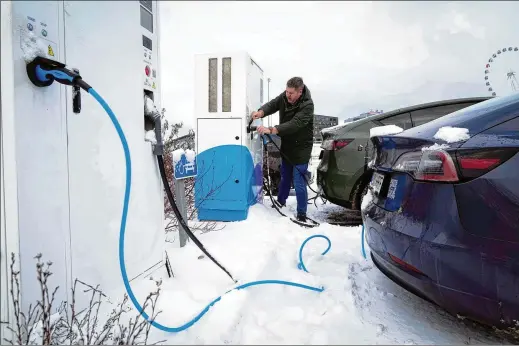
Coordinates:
<point>296,125</point>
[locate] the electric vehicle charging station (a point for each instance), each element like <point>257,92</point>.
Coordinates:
<point>62,165</point>
<point>228,87</point>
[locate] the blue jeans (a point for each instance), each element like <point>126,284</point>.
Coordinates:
<point>289,172</point>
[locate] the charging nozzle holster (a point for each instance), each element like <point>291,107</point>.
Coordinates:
<point>250,128</point>
<point>42,72</point>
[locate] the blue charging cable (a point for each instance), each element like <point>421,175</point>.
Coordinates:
<point>362,242</point>
<point>301,264</point>
<point>122,265</point>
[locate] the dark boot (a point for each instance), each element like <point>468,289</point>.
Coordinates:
<point>301,217</point>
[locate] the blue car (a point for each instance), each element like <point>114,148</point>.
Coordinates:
<point>441,215</point>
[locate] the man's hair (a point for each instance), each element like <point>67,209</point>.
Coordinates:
<point>296,83</point>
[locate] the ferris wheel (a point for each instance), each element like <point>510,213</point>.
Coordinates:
<point>511,75</point>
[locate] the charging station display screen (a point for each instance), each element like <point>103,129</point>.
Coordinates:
<point>146,19</point>
<point>146,42</point>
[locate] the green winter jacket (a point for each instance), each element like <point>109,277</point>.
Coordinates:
<point>296,125</point>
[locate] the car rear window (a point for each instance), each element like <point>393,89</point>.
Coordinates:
<point>422,116</point>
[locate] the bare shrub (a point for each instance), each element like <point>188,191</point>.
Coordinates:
<point>172,142</point>
<point>45,324</point>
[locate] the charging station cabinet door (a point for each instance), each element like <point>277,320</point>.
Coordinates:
<point>216,132</point>
<point>223,180</point>
<point>41,151</point>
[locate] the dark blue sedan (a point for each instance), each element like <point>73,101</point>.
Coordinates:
<point>442,212</point>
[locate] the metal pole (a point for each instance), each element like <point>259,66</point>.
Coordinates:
<point>268,98</point>
<point>180,197</point>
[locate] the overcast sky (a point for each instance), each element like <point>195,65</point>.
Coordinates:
<point>353,56</point>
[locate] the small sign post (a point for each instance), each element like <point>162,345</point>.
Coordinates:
<point>184,167</point>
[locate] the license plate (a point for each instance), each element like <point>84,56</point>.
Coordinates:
<point>376,182</point>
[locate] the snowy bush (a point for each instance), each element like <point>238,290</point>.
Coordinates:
<point>46,324</point>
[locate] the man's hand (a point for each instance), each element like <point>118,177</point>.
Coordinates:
<point>257,115</point>
<point>262,130</point>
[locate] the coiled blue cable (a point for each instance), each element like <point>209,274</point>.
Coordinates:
<point>301,264</point>
<point>122,264</point>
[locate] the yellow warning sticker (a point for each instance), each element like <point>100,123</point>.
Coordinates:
<point>50,51</point>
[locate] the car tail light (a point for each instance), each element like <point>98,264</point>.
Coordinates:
<point>476,162</point>
<point>428,165</point>
<point>331,144</point>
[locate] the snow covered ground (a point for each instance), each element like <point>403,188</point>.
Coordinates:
<point>359,304</point>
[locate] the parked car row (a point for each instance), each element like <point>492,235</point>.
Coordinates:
<point>441,210</point>
<point>343,172</point>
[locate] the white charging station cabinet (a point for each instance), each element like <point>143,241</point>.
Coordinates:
<point>228,87</point>
<point>63,173</point>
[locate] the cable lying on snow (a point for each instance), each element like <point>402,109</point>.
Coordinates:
<point>160,161</point>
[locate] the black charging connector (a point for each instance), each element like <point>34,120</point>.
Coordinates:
<point>42,72</point>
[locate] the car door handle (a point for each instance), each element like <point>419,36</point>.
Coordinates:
<point>360,148</point>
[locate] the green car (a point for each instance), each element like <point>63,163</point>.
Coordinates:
<point>343,174</point>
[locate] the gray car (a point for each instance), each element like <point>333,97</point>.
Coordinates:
<point>343,173</point>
